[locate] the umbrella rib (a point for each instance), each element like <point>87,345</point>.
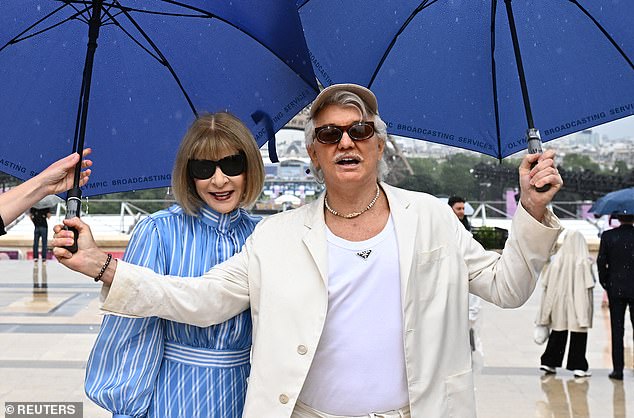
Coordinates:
<point>19,38</point>
<point>81,12</point>
<point>274,53</point>
<point>602,29</point>
<point>423,5</point>
<point>163,60</point>
<point>495,84</point>
<point>114,21</point>
<point>110,16</point>
<point>121,7</point>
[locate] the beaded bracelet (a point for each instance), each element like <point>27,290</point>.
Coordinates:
<point>103,269</point>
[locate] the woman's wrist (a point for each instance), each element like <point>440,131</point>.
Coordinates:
<point>34,190</point>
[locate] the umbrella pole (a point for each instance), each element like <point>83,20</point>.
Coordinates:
<point>73,197</point>
<point>533,139</point>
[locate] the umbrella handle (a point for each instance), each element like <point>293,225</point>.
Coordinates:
<point>535,147</point>
<point>72,248</point>
<point>73,209</point>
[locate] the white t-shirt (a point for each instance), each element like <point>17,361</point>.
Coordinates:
<point>359,364</point>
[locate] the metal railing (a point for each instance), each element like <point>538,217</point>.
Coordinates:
<point>563,210</point>
<point>138,208</point>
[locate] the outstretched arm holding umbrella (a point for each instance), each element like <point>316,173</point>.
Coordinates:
<point>535,172</point>
<point>56,178</point>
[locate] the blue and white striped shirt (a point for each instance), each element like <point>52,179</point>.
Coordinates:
<point>134,370</point>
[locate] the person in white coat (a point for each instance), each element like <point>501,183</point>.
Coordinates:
<point>567,305</point>
<point>359,300</point>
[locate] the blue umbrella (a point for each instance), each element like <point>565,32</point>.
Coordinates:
<point>618,202</point>
<point>126,77</point>
<point>480,75</point>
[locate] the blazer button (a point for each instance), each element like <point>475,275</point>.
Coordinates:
<point>301,349</point>
<point>283,398</point>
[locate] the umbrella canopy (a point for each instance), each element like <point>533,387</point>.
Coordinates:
<point>156,65</point>
<point>446,71</point>
<point>48,202</point>
<point>618,202</point>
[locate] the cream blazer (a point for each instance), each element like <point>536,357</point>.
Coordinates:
<point>281,273</point>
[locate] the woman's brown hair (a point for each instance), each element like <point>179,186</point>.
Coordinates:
<point>209,137</point>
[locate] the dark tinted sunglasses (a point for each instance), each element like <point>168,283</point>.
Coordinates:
<point>232,165</point>
<point>331,134</point>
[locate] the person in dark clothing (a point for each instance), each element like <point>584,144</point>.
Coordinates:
<point>457,204</point>
<point>39,217</point>
<point>616,274</point>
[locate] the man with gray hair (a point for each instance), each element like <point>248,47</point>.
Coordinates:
<point>359,300</point>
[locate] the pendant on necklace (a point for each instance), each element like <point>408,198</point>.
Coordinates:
<point>364,254</point>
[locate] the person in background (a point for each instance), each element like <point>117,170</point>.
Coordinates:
<point>359,299</point>
<point>457,204</point>
<point>39,217</point>
<point>150,367</point>
<point>615,263</point>
<point>604,222</point>
<point>56,178</point>
<point>567,305</point>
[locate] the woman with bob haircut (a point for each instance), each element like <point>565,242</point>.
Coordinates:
<point>151,367</point>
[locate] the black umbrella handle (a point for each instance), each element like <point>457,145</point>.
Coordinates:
<point>535,147</point>
<point>73,209</point>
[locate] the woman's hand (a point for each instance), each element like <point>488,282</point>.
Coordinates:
<point>58,177</point>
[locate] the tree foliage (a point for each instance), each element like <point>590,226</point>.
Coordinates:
<point>580,162</point>
<point>149,200</point>
<point>480,178</point>
<point>455,176</point>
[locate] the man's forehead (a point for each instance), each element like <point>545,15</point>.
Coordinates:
<point>337,114</point>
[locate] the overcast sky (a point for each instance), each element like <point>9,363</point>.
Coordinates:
<point>617,129</point>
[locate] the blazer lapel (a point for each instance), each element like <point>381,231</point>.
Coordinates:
<point>406,226</point>
<point>315,237</point>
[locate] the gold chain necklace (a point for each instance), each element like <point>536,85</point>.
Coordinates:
<point>353,214</point>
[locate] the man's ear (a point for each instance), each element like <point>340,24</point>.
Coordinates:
<point>381,145</point>
<point>313,155</point>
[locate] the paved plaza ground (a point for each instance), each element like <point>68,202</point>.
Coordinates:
<point>46,334</point>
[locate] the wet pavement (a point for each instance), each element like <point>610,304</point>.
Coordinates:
<point>49,318</point>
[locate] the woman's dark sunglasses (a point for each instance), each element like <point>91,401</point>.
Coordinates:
<point>232,165</point>
<point>331,134</point>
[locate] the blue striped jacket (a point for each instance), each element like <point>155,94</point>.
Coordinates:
<point>149,367</point>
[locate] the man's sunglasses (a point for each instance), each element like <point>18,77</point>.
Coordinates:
<point>331,134</point>
<point>232,165</point>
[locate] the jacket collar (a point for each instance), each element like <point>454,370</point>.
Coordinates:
<point>315,237</point>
